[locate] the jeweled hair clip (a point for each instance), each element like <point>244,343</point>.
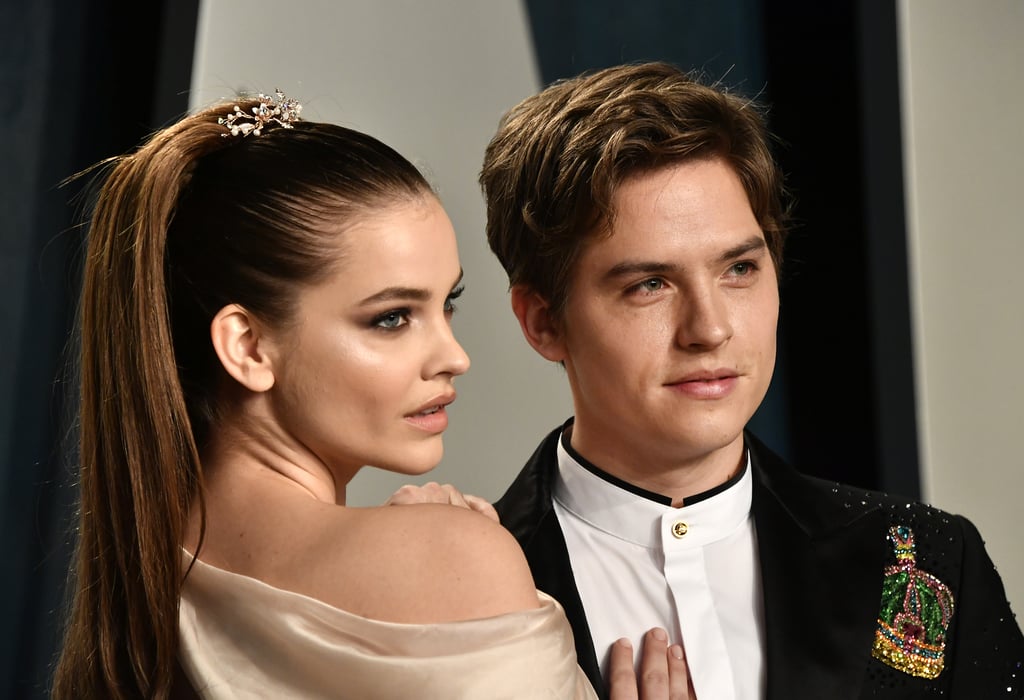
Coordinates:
<point>280,111</point>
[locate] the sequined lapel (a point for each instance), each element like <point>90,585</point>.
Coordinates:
<point>821,563</point>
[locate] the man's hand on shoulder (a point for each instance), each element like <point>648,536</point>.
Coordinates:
<point>441,493</point>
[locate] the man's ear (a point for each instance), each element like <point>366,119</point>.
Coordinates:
<point>540,327</point>
<point>242,348</point>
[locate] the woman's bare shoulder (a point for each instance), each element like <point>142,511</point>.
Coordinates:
<point>421,564</point>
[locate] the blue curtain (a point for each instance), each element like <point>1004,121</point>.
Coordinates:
<point>82,80</point>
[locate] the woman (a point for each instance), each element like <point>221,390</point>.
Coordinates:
<point>266,309</point>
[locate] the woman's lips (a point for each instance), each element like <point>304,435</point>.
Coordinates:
<point>432,417</point>
<point>431,422</point>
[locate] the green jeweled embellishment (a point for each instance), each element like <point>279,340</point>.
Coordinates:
<point>915,613</point>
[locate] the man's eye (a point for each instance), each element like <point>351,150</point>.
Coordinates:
<point>651,285</point>
<point>742,269</point>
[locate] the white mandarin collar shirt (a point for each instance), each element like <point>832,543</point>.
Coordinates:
<point>641,563</point>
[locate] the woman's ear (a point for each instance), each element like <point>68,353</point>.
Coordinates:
<point>242,348</point>
<point>540,328</point>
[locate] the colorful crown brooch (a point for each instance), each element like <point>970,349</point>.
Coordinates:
<point>280,111</point>
<point>915,614</point>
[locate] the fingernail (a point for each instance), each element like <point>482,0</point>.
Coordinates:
<point>659,634</point>
<point>625,643</point>
<point>676,651</point>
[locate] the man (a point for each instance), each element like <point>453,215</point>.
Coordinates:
<point>639,217</point>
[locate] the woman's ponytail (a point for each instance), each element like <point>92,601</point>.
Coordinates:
<point>140,466</point>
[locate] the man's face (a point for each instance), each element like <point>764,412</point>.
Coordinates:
<point>668,334</point>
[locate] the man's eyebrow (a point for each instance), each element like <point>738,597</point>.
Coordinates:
<point>754,244</point>
<point>399,293</point>
<point>633,267</point>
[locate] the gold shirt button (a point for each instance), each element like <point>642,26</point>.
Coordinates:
<point>679,529</point>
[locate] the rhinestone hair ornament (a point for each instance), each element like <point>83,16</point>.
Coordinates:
<point>280,111</point>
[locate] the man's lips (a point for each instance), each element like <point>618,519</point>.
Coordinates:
<point>710,384</point>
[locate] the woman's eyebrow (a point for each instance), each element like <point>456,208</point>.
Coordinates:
<point>396,294</point>
<point>400,293</point>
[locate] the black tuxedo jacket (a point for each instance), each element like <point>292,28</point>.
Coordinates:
<point>823,549</point>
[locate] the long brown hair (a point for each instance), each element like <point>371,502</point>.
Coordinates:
<point>190,222</point>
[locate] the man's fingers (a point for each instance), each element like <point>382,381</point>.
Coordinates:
<point>621,677</point>
<point>482,506</point>
<point>410,494</point>
<point>404,496</point>
<point>434,492</point>
<point>451,496</point>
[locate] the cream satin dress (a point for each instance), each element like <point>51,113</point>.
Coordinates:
<point>242,638</point>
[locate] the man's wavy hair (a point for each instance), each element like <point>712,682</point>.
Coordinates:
<point>551,170</point>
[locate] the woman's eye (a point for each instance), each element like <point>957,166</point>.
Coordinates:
<point>449,302</point>
<point>392,319</point>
